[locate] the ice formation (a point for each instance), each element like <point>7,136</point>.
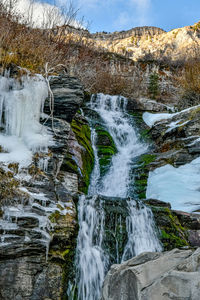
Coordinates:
<point>21,104</point>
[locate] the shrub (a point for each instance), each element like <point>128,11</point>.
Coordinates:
<point>153,85</point>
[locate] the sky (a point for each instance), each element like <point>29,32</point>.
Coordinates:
<point>116,15</point>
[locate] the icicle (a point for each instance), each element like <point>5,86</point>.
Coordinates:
<point>20,109</point>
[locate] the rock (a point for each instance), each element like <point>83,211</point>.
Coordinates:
<point>154,202</point>
<point>68,96</point>
<point>134,32</point>
<point>150,43</point>
<point>156,276</point>
<point>194,237</point>
<point>38,217</point>
<point>144,104</point>
<point>177,137</point>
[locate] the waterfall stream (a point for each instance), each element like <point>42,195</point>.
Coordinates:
<point>92,258</point>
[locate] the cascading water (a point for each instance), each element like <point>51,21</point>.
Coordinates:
<point>92,258</point>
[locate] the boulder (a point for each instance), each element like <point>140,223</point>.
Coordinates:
<point>156,276</point>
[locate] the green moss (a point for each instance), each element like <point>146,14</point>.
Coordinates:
<point>62,248</point>
<point>54,216</point>
<point>106,148</point>
<point>142,170</point>
<point>69,164</point>
<point>142,195</point>
<point>172,233</point>
<point>171,241</point>
<point>144,134</point>
<point>83,135</point>
<point>146,159</point>
<point>141,182</point>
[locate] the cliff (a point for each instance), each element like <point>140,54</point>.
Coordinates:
<point>153,43</point>
<point>39,187</point>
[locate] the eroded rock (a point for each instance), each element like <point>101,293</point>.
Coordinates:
<point>157,276</point>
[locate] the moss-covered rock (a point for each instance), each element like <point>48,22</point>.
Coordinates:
<point>79,158</point>
<point>172,232</point>
<point>142,170</point>
<point>82,131</point>
<point>63,244</point>
<point>106,148</point>
<point>8,184</point>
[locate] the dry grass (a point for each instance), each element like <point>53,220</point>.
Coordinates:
<point>190,79</point>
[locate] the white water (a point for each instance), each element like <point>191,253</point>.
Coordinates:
<point>21,104</point>
<point>112,110</point>
<point>92,259</point>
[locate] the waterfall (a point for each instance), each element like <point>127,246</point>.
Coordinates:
<point>92,258</point>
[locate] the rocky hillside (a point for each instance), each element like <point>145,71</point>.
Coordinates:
<point>152,43</point>
<point>48,150</point>
<point>146,43</point>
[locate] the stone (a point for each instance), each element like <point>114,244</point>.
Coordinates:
<point>38,238</point>
<point>68,97</point>
<point>157,276</point>
<point>145,104</point>
<point>194,237</point>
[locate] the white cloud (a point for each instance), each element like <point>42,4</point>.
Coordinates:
<point>142,4</point>
<point>142,10</point>
<point>42,15</point>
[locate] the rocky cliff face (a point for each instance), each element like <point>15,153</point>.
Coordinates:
<point>134,32</point>
<point>38,220</point>
<point>149,43</point>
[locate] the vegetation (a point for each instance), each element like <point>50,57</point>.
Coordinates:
<point>32,48</point>
<point>153,85</point>
<point>83,136</point>
<point>106,148</point>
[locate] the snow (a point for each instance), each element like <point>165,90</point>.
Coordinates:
<point>194,142</point>
<point>178,186</point>
<point>176,124</point>
<point>17,151</point>
<point>150,119</point>
<point>20,109</point>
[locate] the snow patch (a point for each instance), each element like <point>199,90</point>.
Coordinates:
<point>178,186</point>
<point>150,119</point>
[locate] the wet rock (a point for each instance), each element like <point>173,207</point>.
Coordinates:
<point>158,203</point>
<point>168,275</point>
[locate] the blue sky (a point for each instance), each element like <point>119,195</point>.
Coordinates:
<point>114,15</point>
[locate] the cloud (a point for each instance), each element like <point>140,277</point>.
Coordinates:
<point>142,10</point>
<point>142,4</point>
<point>41,14</point>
